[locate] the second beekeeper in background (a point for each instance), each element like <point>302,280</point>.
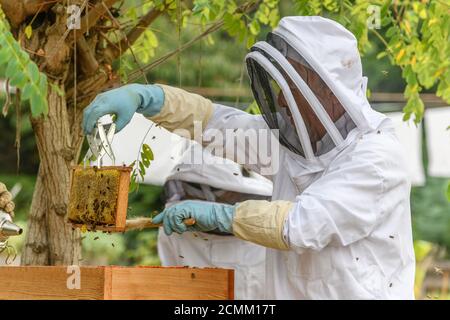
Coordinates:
<point>215,180</point>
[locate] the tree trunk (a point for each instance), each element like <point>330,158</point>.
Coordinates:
<point>50,240</point>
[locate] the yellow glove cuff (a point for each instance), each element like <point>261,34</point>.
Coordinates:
<point>262,222</point>
<point>181,109</point>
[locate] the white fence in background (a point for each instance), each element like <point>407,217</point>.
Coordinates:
<point>437,128</point>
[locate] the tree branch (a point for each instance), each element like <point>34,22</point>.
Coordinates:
<point>113,52</point>
<point>18,11</point>
<point>87,58</point>
<point>245,8</point>
<point>103,82</point>
<point>136,74</point>
<point>88,87</point>
<point>131,50</point>
<point>89,20</point>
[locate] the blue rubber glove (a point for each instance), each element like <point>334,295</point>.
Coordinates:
<point>208,216</point>
<point>124,102</point>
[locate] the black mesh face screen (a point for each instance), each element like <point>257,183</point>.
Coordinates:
<point>273,107</point>
<point>339,116</point>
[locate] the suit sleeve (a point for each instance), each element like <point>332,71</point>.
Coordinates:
<point>226,132</point>
<point>243,138</point>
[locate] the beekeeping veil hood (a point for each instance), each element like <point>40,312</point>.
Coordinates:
<point>198,166</point>
<point>307,81</point>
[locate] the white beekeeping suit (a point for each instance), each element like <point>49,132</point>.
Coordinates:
<point>338,225</point>
<point>217,180</point>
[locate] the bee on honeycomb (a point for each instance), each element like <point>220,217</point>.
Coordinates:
<point>93,196</point>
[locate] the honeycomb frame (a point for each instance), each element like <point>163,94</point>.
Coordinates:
<point>99,198</point>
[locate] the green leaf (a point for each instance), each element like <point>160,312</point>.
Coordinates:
<point>26,91</point>
<point>254,27</point>
<point>151,37</point>
<point>422,249</point>
<point>33,71</point>
<point>253,108</point>
<point>18,80</point>
<point>36,104</point>
<point>133,185</point>
<point>423,13</point>
<point>28,31</point>
<point>4,55</point>
<point>147,151</point>
<point>250,41</point>
<point>12,68</point>
<point>381,54</point>
<point>141,169</point>
<point>391,31</point>
<point>448,191</point>
<point>23,73</point>
<point>274,17</point>
<point>146,162</point>
<point>58,90</point>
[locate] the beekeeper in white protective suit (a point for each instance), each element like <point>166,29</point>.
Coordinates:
<point>223,181</point>
<point>338,225</point>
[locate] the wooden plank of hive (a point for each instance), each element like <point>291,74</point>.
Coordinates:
<point>112,282</point>
<point>45,282</point>
<point>171,283</point>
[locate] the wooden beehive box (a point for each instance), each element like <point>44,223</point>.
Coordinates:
<point>113,282</point>
<point>99,197</point>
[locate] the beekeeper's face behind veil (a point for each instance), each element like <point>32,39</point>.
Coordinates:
<point>326,97</point>
<point>294,97</point>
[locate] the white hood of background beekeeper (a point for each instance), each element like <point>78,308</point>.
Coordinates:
<point>197,165</point>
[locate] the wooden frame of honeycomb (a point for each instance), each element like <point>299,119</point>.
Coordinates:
<point>99,198</point>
